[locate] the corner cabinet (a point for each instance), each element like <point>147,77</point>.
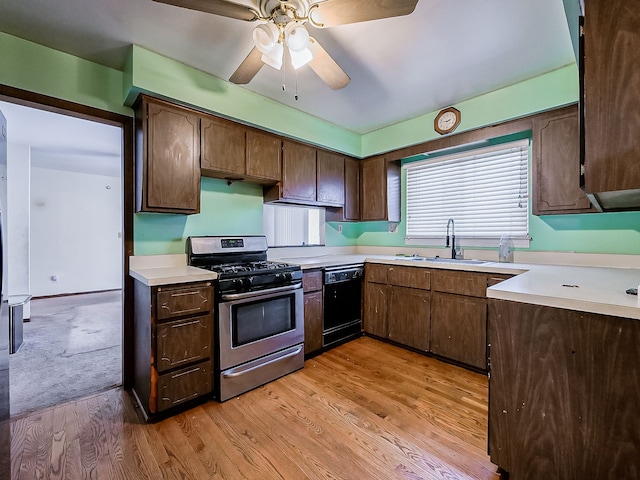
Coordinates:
<point>563,393</point>
<point>167,158</point>
<point>556,164</point>
<point>610,59</point>
<point>173,339</point>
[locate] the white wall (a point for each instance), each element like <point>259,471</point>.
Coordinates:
<point>76,231</point>
<point>18,218</point>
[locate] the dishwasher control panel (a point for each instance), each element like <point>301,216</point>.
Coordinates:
<point>343,275</point>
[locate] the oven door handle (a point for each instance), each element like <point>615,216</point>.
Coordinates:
<point>242,371</point>
<point>240,296</point>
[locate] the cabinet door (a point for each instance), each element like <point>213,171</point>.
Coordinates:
<point>408,317</point>
<point>556,164</point>
<point>375,309</point>
<point>351,189</point>
<point>312,322</point>
<point>172,180</point>
<point>459,328</point>
<point>264,154</point>
<point>223,146</point>
<point>611,100</point>
<point>298,172</point>
<point>330,180</point>
<point>374,189</point>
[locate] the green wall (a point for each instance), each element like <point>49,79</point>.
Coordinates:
<point>39,69</point>
<point>237,209</point>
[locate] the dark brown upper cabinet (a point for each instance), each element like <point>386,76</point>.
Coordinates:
<point>351,210</point>
<point>309,177</point>
<point>264,156</point>
<point>168,158</point>
<point>380,190</point>
<point>556,164</point>
<point>330,178</point>
<point>235,152</point>
<point>610,56</point>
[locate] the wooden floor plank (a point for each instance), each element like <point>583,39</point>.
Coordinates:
<point>365,410</point>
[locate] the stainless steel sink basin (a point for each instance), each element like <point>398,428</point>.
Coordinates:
<point>461,261</point>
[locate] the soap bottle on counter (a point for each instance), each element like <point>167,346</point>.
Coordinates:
<point>505,249</point>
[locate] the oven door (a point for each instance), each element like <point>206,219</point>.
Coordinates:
<point>256,324</point>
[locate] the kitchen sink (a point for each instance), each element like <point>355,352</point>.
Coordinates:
<point>461,261</point>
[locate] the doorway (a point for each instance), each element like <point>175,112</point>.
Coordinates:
<point>101,295</point>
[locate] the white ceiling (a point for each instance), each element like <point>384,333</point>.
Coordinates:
<point>445,52</point>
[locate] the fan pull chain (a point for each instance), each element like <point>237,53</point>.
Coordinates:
<point>296,95</point>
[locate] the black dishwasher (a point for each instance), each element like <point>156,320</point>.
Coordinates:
<point>342,304</point>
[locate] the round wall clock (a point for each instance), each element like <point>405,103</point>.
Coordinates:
<point>447,120</point>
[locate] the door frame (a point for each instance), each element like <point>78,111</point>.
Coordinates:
<point>65,107</point>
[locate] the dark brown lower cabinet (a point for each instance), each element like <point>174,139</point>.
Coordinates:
<point>459,328</point>
<point>408,317</point>
<point>173,338</point>
<point>375,309</point>
<point>313,311</point>
<point>564,392</point>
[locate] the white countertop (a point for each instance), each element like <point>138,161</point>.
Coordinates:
<point>167,272</point>
<point>588,289</point>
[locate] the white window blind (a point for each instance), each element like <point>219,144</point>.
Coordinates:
<point>485,191</point>
<point>292,225</point>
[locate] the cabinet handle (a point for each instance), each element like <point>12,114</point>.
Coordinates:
<point>192,322</point>
<point>193,370</point>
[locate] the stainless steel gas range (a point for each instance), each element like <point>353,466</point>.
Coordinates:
<point>259,312</point>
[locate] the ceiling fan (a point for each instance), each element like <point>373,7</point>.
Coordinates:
<point>281,31</point>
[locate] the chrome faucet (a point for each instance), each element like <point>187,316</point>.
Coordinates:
<point>451,244</point>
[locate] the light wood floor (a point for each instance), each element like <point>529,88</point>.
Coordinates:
<point>364,410</point>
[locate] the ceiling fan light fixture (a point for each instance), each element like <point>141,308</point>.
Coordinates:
<point>265,37</point>
<point>274,57</point>
<point>301,58</point>
<point>296,37</point>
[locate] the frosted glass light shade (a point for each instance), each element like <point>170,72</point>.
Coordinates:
<point>296,37</point>
<point>301,58</point>
<point>265,37</point>
<point>273,58</point>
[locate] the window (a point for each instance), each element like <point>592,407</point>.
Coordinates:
<point>485,192</point>
<point>292,225</point>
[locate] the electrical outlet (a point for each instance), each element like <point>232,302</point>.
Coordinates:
<point>339,228</point>
<point>393,227</point>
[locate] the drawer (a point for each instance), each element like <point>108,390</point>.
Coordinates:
<point>179,302</point>
<point>410,277</point>
<point>461,283</point>
<point>375,273</point>
<point>185,341</point>
<point>312,281</point>
<point>183,385</point>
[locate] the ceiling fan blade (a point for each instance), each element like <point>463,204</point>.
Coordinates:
<point>330,13</point>
<point>217,7</point>
<point>326,67</point>
<point>248,68</point>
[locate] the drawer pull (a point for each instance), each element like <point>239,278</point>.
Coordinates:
<point>192,322</point>
<point>193,370</point>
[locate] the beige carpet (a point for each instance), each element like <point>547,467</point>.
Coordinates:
<point>71,349</point>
